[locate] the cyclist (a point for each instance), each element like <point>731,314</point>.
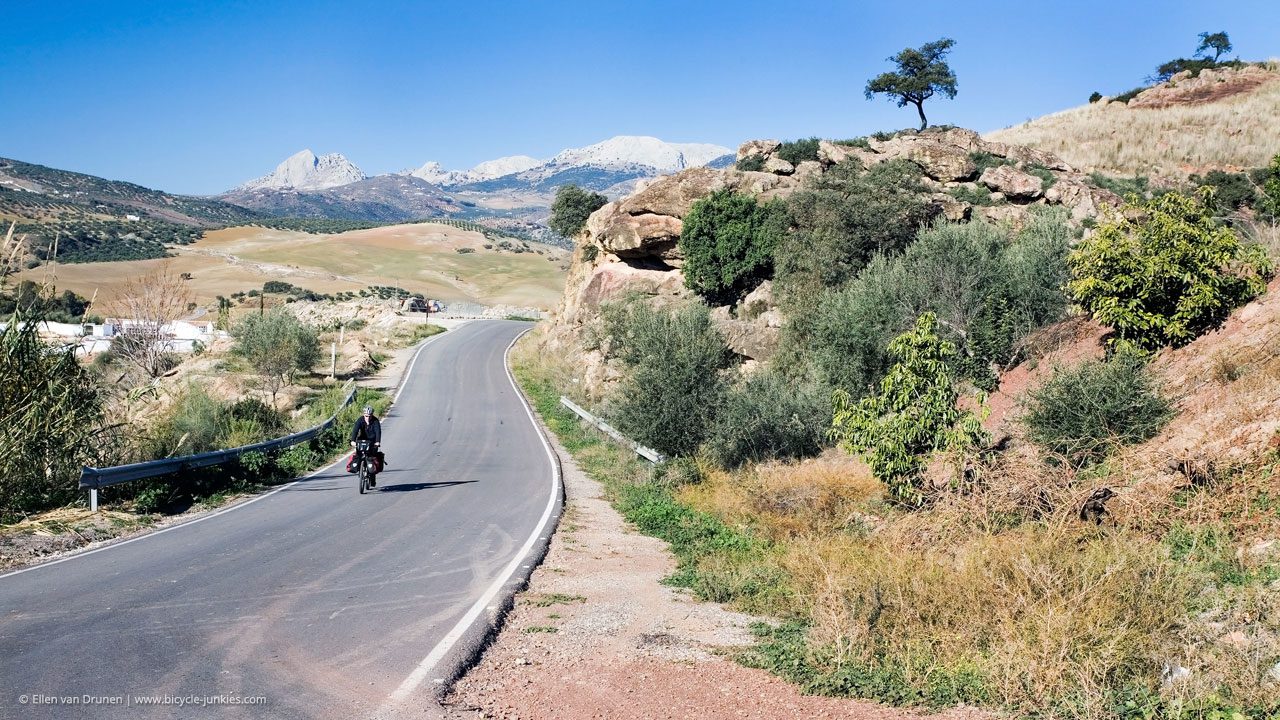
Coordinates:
<point>368,427</point>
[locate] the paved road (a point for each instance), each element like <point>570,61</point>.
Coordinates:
<point>322,601</point>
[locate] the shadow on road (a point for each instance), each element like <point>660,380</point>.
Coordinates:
<point>410,487</point>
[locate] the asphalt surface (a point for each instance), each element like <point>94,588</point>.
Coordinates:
<point>319,601</point>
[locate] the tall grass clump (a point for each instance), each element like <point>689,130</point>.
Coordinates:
<point>53,414</point>
<point>768,417</point>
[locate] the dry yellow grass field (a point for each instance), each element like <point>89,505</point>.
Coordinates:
<point>1234,132</point>
<point>418,257</point>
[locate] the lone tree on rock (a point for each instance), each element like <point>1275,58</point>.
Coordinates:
<point>921,72</point>
<point>1217,42</point>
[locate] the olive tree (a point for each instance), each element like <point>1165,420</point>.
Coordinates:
<point>921,73</point>
<point>278,345</point>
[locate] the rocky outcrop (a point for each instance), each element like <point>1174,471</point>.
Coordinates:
<point>1013,183</point>
<point>630,247</point>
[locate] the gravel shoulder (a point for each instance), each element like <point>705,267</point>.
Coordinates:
<point>596,635</point>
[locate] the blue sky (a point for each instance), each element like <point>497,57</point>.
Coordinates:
<point>198,97</point>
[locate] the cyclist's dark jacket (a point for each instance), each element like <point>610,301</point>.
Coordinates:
<point>371,431</point>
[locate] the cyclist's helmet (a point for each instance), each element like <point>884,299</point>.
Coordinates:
<point>368,410</point>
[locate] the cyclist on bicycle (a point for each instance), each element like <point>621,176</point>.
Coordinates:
<point>368,427</point>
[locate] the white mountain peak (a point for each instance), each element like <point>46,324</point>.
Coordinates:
<point>305,171</point>
<point>641,150</point>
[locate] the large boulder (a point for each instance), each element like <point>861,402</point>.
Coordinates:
<point>807,170</point>
<point>754,339</point>
<point>778,166</point>
<point>951,208</point>
<point>1012,182</point>
<point>940,160</point>
<point>757,147</point>
<point>1023,155</point>
<point>611,281</point>
<point>674,195</point>
<point>830,153</point>
<point>1081,199</point>
<point>1014,215</point>
<point>633,236</point>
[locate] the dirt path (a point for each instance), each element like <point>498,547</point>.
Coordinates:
<point>597,636</point>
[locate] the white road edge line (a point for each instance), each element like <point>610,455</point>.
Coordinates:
<point>223,511</point>
<point>446,643</point>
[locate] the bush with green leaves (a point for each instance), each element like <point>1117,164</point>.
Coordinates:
<point>572,207</point>
<point>52,410</point>
<point>797,151</point>
<point>277,345</point>
<point>1094,97</point>
<point>750,163</point>
<point>842,220</point>
<point>1081,413</point>
<point>1231,191</point>
<point>912,416</point>
<point>675,374</point>
<point>728,241</point>
<point>768,417</point>
<point>1269,201</point>
<point>1136,185</point>
<point>989,288</point>
<point>1165,272</point>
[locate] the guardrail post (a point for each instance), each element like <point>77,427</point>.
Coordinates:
<point>93,499</point>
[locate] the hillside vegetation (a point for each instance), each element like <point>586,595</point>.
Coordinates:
<point>1223,119</point>
<point>946,408</point>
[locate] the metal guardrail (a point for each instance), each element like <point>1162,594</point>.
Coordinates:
<point>94,478</point>
<point>649,454</point>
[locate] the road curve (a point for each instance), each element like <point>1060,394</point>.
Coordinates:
<point>322,602</point>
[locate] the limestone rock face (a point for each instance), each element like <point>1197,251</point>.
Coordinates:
<point>634,236</point>
<point>1012,182</point>
<point>830,153</point>
<point>1014,215</point>
<point>779,166</point>
<point>808,169</point>
<point>1083,201</point>
<point>952,209</point>
<point>758,147</point>
<point>754,339</point>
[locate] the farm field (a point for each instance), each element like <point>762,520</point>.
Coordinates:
<point>418,257</point>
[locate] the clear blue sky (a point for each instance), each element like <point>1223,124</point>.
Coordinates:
<point>197,97</point>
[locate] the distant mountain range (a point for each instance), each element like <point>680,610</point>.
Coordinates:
<point>519,188</point>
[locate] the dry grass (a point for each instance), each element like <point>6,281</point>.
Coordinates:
<point>1003,581</point>
<point>1233,133</point>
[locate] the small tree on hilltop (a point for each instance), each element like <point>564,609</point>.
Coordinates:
<point>914,414</point>
<point>921,72</point>
<point>572,207</point>
<point>278,345</point>
<point>1217,42</point>
<point>1167,276</point>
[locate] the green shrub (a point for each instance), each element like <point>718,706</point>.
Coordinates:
<point>1167,276</point>
<point>1045,174</point>
<point>858,142</point>
<point>1136,185</point>
<point>1128,95</point>
<point>978,195</point>
<point>989,289</point>
<point>1094,97</point>
<point>750,163</point>
<point>674,382</point>
<point>797,151</point>
<point>1231,191</point>
<point>728,242</point>
<point>1269,202</point>
<point>842,220</point>
<point>912,416</point>
<point>590,252</point>
<point>572,207</point>
<point>767,418</point>
<point>1079,414</point>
